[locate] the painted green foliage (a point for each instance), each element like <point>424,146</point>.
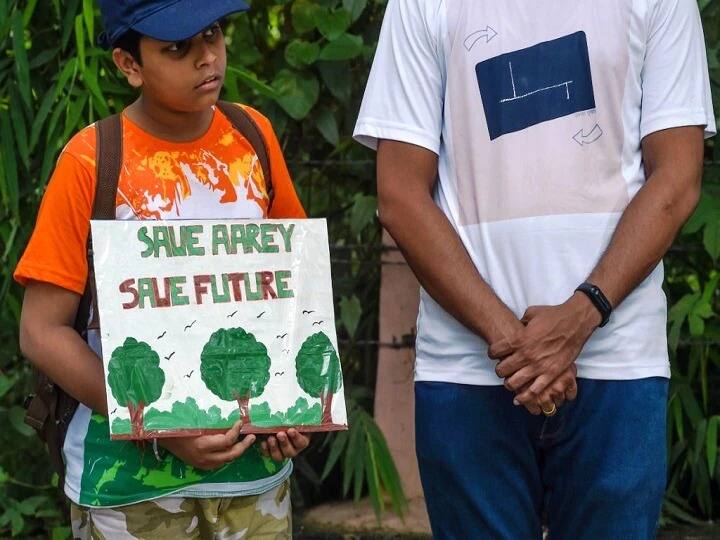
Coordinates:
<point>135,379</point>
<point>318,371</point>
<point>116,473</point>
<point>235,366</point>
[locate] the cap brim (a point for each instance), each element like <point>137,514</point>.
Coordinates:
<point>186,18</point>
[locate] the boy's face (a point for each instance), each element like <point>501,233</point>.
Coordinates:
<point>184,76</point>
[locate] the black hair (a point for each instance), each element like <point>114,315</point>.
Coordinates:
<point>130,43</point>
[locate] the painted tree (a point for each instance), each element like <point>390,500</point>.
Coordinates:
<point>235,366</point>
<point>135,379</point>
<point>318,371</point>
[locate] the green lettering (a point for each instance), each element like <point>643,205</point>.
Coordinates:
<point>257,294</point>
<point>145,239</point>
<point>266,238</point>
<point>191,240</point>
<point>178,250</point>
<point>220,238</point>
<point>251,239</point>
<point>177,298</point>
<point>283,288</point>
<point>146,291</point>
<point>218,297</point>
<point>162,241</point>
<point>287,236</point>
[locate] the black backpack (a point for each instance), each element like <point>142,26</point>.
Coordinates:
<point>50,409</point>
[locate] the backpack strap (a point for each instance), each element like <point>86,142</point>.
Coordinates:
<point>108,163</point>
<point>248,128</point>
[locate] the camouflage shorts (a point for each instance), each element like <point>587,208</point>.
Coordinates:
<point>262,517</point>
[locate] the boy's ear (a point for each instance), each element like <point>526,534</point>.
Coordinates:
<point>129,66</point>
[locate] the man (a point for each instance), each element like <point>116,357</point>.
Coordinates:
<point>535,161</point>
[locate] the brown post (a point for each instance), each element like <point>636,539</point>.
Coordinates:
<point>394,397</point>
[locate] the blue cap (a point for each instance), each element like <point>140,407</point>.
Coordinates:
<point>165,20</point>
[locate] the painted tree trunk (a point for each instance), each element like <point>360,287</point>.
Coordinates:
<point>244,412</point>
<point>327,408</point>
<point>136,419</point>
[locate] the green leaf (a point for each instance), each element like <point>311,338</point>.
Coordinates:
<point>298,92</point>
<point>350,312</point>
<point>3,476</point>
<point>336,449</point>
<point>711,438</point>
<point>711,237</point>
<point>355,8</point>
<point>80,41</point>
<point>89,17</point>
<point>18,123</point>
<point>333,24</point>
<point>336,76</point>
<point>363,212</point>
<point>17,420</point>
<point>327,125</point>
<point>61,533</point>
<point>299,53</point>
<point>30,505</point>
<point>345,47</point>
<point>253,82</point>
<point>9,188</point>
<point>696,324</point>
<point>303,15</point>
<point>21,60</point>
<point>6,383</point>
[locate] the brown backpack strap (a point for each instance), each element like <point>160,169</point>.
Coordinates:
<point>244,123</point>
<point>108,162</point>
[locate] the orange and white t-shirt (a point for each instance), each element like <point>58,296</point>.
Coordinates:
<point>217,176</point>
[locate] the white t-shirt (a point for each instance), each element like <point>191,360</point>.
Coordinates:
<point>536,110</point>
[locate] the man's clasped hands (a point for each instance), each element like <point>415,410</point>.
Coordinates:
<point>537,357</point>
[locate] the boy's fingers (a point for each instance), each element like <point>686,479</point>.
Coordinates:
<point>264,449</point>
<point>274,449</point>
<point>299,440</point>
<point>233,434</point>
<point>237,450</point>
<point>286,446</point>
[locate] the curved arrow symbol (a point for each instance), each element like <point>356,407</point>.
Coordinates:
<point>582,139</point>
<point>473,38</point>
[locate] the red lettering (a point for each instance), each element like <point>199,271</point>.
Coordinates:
<point>159,300</point>
<point>201,283</point>
<point>127,286</point>
<point>235,278</point>
<point>267,290</point>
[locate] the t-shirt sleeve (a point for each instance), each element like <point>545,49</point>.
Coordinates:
<point>675,79</point>
<point>403,99</point>
<point>286,204</point>
<point>57,251</point>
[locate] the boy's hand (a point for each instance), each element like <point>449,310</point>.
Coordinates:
<point>284,445</point>
<point>209,452</point>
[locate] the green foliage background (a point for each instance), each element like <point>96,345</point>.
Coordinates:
<point>304,63</point>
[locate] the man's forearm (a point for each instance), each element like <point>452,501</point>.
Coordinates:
<point>63,356</point>
<point>650,223</point>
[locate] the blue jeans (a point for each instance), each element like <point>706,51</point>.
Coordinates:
<point>594,471</point>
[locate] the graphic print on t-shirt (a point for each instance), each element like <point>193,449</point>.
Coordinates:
<point>532,85</point>
<point>534,116</point>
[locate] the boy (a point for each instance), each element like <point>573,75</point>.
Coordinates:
<point>181,159</point>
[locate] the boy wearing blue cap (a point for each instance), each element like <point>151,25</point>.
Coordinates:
<point>181,158</point>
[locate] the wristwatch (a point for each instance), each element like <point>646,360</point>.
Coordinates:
<point>598,299</point>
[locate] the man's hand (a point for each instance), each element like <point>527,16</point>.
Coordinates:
<point>534,359</point>
<point>209,452</point>
<point>284,445</point>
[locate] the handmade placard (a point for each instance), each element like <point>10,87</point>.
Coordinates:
<point>204,323</point>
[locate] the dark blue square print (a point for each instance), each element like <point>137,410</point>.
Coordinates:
<point>543,82</point>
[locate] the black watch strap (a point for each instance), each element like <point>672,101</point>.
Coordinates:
<point>598,299</point>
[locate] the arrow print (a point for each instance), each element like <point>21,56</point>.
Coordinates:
<point>583,140</point>
<point>488,33</point>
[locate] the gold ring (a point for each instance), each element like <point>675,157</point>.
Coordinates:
<point>551,412</point>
